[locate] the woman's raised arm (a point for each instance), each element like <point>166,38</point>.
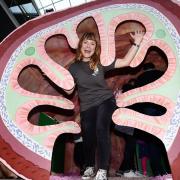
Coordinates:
<point>137,36</point>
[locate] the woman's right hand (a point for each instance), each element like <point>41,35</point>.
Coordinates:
<point>137,36</point>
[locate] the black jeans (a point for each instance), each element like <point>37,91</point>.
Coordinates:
<point>129,153</point>
<point>95,124</point>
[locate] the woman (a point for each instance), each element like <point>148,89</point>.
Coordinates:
<point>97,102</point>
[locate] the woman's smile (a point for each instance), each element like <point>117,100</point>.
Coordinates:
<point>88,49</point>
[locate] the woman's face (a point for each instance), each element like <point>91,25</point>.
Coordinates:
<point>88,49</point>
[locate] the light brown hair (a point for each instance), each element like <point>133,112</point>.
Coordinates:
<point>95,59</point>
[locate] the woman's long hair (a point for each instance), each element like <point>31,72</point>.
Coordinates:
<point>95,59</point>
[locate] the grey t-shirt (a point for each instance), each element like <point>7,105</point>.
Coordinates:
<point>91,85</point>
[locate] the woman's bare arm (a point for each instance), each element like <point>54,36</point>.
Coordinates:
<point>138,36</point>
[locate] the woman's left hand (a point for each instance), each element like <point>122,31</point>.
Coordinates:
<point>137,36</point>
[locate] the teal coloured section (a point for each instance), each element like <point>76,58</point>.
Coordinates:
<point>30,51</point>
<point>160,33</point>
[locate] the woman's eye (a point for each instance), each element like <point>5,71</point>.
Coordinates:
<point>93,44</point>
